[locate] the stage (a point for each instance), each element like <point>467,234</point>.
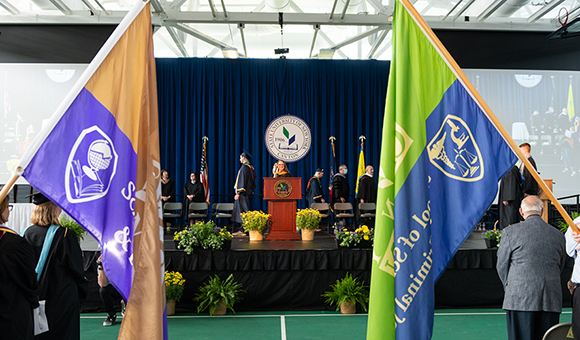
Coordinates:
<point>292,275</point>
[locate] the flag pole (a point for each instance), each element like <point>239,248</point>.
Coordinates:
<point>8,186</point>
<point>479,100</point>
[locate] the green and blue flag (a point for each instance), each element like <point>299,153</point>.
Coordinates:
<point>441,159</point>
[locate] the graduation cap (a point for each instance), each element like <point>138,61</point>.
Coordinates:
<point>319,170</point>
<point>38,198</point>
<point>246,155</point>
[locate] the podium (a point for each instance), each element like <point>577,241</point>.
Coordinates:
<point>282,194</point>
<point>546,200</point>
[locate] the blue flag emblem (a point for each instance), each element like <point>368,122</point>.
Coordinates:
<point>454,151</point>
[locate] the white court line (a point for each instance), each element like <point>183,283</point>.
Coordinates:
<point>283,327</point>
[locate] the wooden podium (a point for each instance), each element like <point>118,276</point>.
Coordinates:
<point>281,194</point>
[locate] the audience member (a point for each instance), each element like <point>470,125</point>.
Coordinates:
<point>18,284</point>
<point>245,185</point>
<point>62,283</point>
<point>563,121</point>
<point>108,295</point>
<point>530,259</point>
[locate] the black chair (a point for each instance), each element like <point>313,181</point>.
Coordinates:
<point>561,331</point>
<point>223,211</point>
<point>342,212</point>
<point>198,211</point>
<point>367,213</point>
<point>172,210</point>
<point>324,210</point>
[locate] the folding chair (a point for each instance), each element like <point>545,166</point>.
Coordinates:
<point>367,213</point>
<point>223,211</point>
<point>342,211</point>
<point>198,211</point>
<point>324,210</point>
<point>172,210</point>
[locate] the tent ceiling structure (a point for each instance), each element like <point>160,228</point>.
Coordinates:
<point>352,29</point>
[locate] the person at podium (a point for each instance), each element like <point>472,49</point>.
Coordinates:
<point>314,188</point>
<point>245,185</point>
<point>280,170</point>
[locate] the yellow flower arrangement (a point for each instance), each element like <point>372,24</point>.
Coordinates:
<point>255,220</point>
<point>347,238</point>
<point>205,235</point>
<point>174,282</point>
<point>308,219</point>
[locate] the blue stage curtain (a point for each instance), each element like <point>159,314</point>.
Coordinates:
<point>233,101</point>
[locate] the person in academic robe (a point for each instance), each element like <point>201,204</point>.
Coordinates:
<point>340,186</point>
<point>193,192</point>
<point>530,186</point>
<point>314,188</point>
<point>367,188</point>
<point>18,285</point>
<point>167,193</point>
<point>510,196</point>
<point>280,170</point>
<point>245,185</point>
<point>62,284</point>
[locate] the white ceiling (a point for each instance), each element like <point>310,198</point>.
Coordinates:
<point>202,28</point>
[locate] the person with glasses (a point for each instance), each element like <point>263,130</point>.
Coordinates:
<point>18,282</point>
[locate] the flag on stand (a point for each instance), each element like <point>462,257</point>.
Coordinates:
<point>441,159</point>
<point>332,167</point>
<point>98,159</point>
<point>361,164</point>
<point>203,172</point>
<point>570,102</point>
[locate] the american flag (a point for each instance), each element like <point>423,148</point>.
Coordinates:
<point>203,171</point>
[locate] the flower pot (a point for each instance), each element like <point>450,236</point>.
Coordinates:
<point>170,307</point>
<point>347,307</point>
<point>490,243</point>
<point>307,235</point>
<point>220,309</point>
<point>255,235</point>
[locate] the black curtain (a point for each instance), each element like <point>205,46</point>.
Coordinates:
<point>233,101</point>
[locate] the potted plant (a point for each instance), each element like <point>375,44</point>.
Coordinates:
<point>204,235</point>
<point>218,295</point>
<point>173,290</point>
<point>346,293</point>
<point>307,220</point>
<point>361,237</point>
<point>255,222</point>
<point>492,237</point>
<point>67,222</point>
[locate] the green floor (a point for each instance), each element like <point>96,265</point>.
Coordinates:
<point>450,324</point>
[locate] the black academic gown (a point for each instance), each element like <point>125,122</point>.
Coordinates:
<point>245,185</point>
<point>197,191</point>
<point>168,189</point>
<point>18,288</point>
<point>313,191</point>
<point>510,190</point>
<point>530,186</point>
<point>62,284</point>
<point>367,189</point>
<point>340,188</point>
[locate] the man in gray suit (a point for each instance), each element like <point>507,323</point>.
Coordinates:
<point>530,259</point>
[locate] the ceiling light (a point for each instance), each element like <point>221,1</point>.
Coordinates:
<point>231,53</point>
<point>326,53</point>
